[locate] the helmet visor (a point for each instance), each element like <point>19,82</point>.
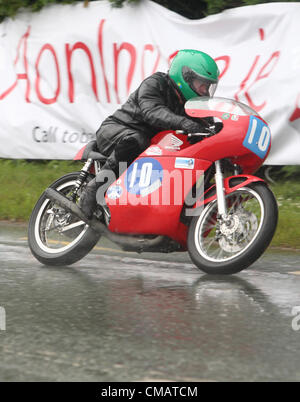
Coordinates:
<point>200,85</point>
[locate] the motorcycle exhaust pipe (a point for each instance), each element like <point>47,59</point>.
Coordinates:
<point>135,243</point>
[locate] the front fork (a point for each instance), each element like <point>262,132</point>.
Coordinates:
<point>219,179</point>
<point>220,189</point>
<point>84,172</point>
<point>82,176</point>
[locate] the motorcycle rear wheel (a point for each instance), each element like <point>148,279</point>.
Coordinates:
<point>218,247</point>
<point>55,236</point>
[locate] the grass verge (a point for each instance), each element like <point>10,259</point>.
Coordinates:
<point>288,229</point>
<point>22,183</point>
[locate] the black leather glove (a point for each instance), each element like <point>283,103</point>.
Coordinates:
<point>192,126</point>
<point>218,127</point>
<point>215,125</point>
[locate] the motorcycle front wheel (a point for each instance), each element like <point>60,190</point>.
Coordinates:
<point>55,236</point>
<point>227,246</point>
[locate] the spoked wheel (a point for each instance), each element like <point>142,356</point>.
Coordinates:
<point>55,236</point>
<point>227,246</point>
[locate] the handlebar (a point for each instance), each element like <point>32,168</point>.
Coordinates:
<point>210,130</point>
<point>199,134</point>
<point>206,134</point>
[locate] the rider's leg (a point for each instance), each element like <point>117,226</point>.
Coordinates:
<point>126,150</point>
<point>107,137</point>
<point>102,181</point>
<point>131,146</point>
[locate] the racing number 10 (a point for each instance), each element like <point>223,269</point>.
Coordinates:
<point>258,137</point>
<point>264,137</point>
<point>145,175</point>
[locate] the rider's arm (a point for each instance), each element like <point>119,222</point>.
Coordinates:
<point>151,99</point>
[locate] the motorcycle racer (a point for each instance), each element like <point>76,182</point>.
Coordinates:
<point>156,105</point>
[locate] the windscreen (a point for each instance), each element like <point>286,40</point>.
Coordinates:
<point>220,105</point>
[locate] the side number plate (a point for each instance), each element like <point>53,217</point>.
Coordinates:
<point>258,137</point>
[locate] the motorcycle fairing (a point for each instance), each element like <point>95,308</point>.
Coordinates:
<point>245,135</point>
<point>152,208</point>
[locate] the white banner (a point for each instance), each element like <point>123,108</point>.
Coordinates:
<point>66,68</point>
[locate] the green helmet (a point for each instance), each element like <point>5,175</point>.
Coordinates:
<point>195,73</point>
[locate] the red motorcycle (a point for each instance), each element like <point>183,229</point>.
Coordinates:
<point>186,192</point>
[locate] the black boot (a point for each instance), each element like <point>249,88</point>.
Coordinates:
<point>88,201</point>
<point>90,198</point>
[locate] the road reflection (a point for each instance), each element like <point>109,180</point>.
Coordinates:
<point>118,318</point>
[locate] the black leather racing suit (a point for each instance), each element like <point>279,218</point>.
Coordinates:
<point>155,106</point>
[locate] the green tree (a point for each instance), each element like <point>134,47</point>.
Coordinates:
<point>193,9</point>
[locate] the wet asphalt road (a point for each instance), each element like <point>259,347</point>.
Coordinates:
<point>118,316</point>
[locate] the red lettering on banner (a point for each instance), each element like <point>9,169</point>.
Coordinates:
<point>245,80</point>
<point>261,75</point>
<point>171,57</point>
<point>275,56</point>
<point>47,101</point>
<point>261,33</point>
<point>82,46</point>
<point>131,50</point>
<point>100,48</point>
<point>296,113</point>
<point>226,60</point>
<point>150,48</point>
<point>23,76</point>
